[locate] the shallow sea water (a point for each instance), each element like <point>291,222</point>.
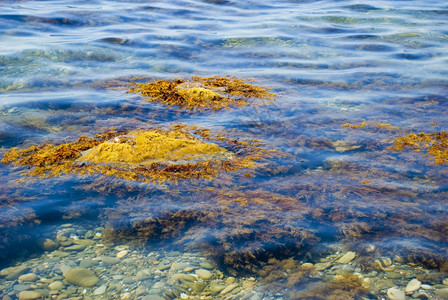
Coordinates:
<point>64,69</point>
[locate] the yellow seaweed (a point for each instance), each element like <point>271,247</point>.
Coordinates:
<point>201,93</point>
<point>348,125</point>
<point>154,155</point>
<point>434,143</point>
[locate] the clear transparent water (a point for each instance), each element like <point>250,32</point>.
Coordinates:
<point>330,62</point>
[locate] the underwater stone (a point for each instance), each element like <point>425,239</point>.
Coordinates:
<point>442,293</point>
<point>100,290</point>
<point>228,289</point>
<point>412,286</point>
<point>108,260</point>
<point>81,277</point>
<point>29,295</point>
<point>348,257</point>
<point>122,254</point>
<point>204,274</point>
<point>28,277</point>
<point>56,285</point>
<point>13,273</point>
<point>395,294</point>
<point>48,244</point>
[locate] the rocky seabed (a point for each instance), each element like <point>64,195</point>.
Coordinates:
<point>79,264</point>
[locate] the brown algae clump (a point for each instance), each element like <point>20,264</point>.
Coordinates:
<point>181,152</point>
<point>435,143</point>
<point>201,93</point>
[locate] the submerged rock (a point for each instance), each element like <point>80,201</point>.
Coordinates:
<point>201,93</point>
<point>81,277</point>
<point>148,155</point>
<point>29,295</point>
<point>395,294</point>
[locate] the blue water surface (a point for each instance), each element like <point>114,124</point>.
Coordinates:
<point>64,66</point>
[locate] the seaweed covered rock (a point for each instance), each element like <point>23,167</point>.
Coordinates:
<point>202,93</point>
<point>180,152</point>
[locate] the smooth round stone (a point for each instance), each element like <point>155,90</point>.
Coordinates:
<point>81,277</point>
<point>76,248</point>
<point>28,277</point>
<point>183,277</point>
<point>153,297</point>
<point>348,257</point>
<point>48,244</point>
<point>395,294</point>
<point>442,293</point>
<point>393,275</point>
<point>56,285</point>
<point>60,254</point>
<point>84,242</point>
<point>198,286</point>
<point>322,266</point>
<point>228,289</point>
<point>412,286</point>
<point>216,288</point>
<point>87,263</point>
<point>29,295</point>
<point>100,290</point>
<point>204,274</point>
<point>206,265</point>
<point>445,281</point>
<point>13,273</point>
<point>179,266</point>
<point>229,280</point>
<point>307,266</point>
<point>122,253</point>
<point>108,260</point>
<point>163,267</point>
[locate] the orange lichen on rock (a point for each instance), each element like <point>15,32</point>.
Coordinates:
<point>435,144</point>
<point>201,93</point>
<point>141,155</point>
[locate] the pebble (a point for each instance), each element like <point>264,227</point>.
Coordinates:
<point>198,286</point>
<point>228,289</point>
<point>206,265</point>
<point>229,280</point>
<point>395,294</point>
<point>122,253</point>
<point>322,266</point>
<point>412,286</point>
<point>56,285</point>
<point>81,277</point>
<point>445,281</point>
<point>216,288</point>
<point>48,244</point>
<point>29,295</point>
<point>393,275</point>
<point>108,260</point>
<point>100,290</point>
<point>348,257</point>
<point>13,273</point>
<point>442,293</point>
<point>204,274</point>
<point>28,277</point>
<point>179,266</point>
<point>76,248</point>
<point>153,297</point>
